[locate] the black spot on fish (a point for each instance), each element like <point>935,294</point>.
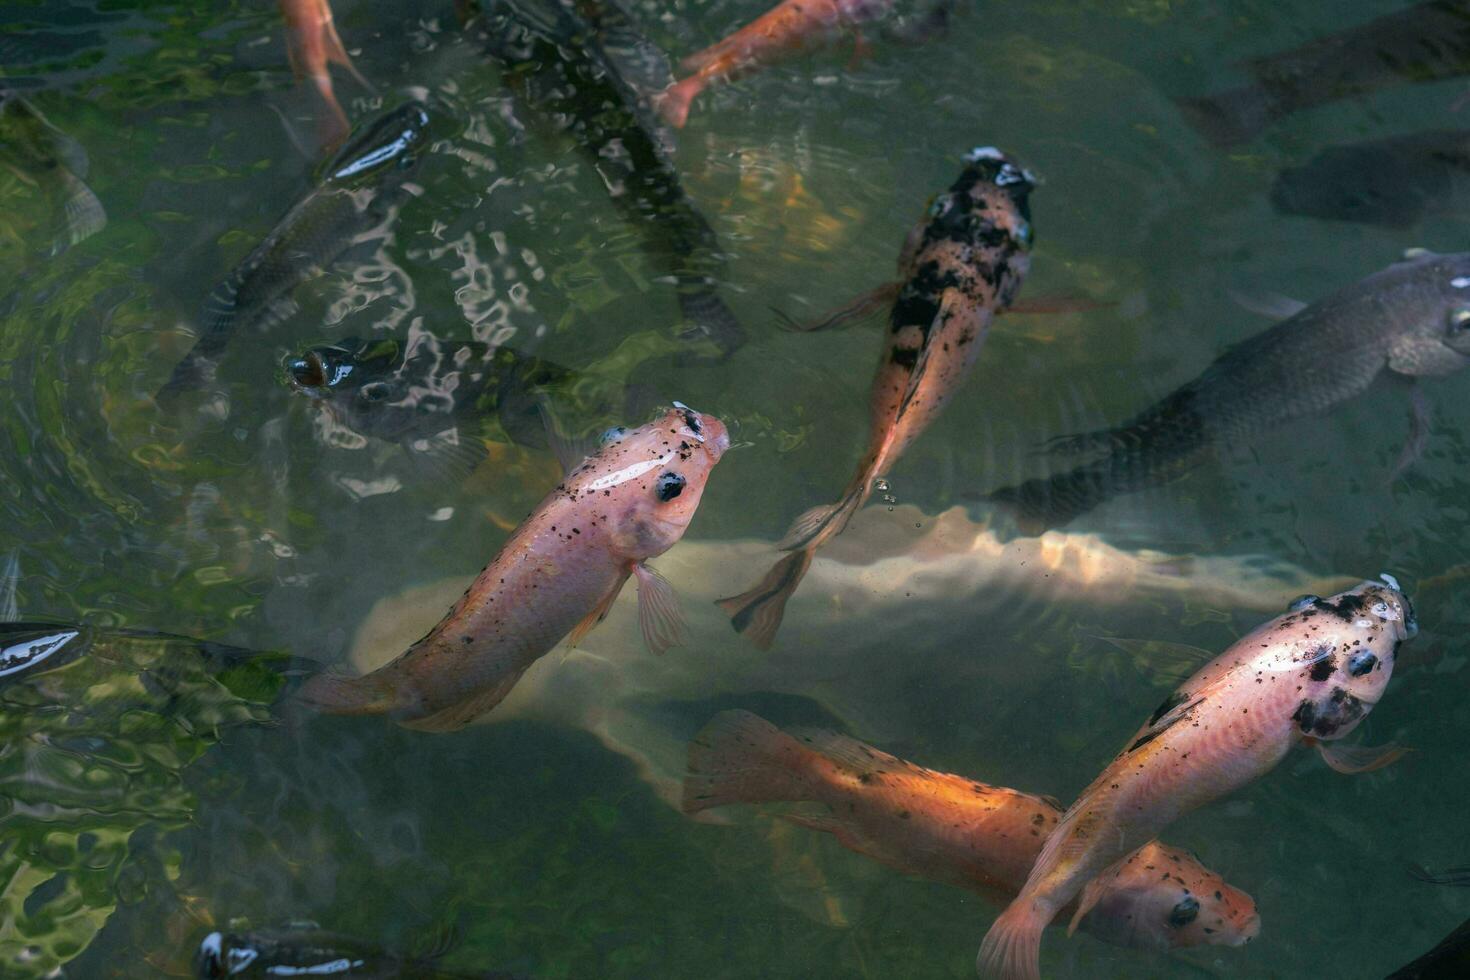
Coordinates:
<point>1362,662</point>
<point>905,357</point>
<point>1327,717</point>
<point>1323,668</point>
<point>1185,912</point>
<point>1348,608</point>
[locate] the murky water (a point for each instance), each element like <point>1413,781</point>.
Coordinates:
<point>544,838</point>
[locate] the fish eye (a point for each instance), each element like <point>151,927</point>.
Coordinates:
<point>1302,602</point>
<point>208,962</point>
<point>613,435</point>
<point>1185,912</point>
<point>308,371</point>
<point>668,486</point>
<point>1362,662</point>
<point>1460,319</point>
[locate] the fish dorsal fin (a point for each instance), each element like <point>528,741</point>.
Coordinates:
<point>570,452</point>
<point>849,753</point>
<point>1176,708</point>
<point>1273,306</point>
<point>948,310</point>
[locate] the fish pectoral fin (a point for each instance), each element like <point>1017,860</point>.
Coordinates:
<point>81,212</point>
<point>658,611</point>
<point>597,615</point>
<point>1420,419</point>
<point>1353,759</point>
<point>1091,894</point>
<point>856,310</point>
<point>449,456</point>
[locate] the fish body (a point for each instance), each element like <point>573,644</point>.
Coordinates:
<point>1389,182</point>
<point>1422,43</point>
<point>562,72</point>
<point>410,396</point>
<point>302,950</point>
<point>312,44</point>
<point>789,28</point>
<point>359,190</point>
<point>1411,319</point>
<point>44,157</point>
<point>1312,674</point>
<point>558,574</point>
<point>954,830</point>
<point>1449,960</point>
<point>960,267</point>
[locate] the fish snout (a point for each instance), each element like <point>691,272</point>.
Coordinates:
<point>1249,929</point>
<point>716,436</point>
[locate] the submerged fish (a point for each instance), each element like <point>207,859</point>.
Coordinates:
<point>954,830</point>
<point>1410,320</point>
<point>1449,960</point>
<point>1422,43</point>
<point>430,397</point>
<point>789,28</point>
<point>304,950</point>
<point>359,190</point>
<point>1389,182</point>
<point>1309,676</point>
<point>44,157</point>
<point>312,44</point>
<point>563,73</point>
<point>960,266</point>
<point>558,574</point>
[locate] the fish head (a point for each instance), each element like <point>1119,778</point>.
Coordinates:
<point>645,484</point>
<point>385,149</point>
<point>1341,651</point>
<point>361,383</point>
<point>1443,307</point>
<point>1163,898</point>
<point>1365,183</point>
<point>991,195</point>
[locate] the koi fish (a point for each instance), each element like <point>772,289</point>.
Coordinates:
<point>305,950</point>
<point>556,577</point>
<point>44,157</point>
<point>1423,43</point>
<point>360,189</point>
<point>563,73</point>
<point>960,267</point>
<point>1410,320</point>
<point>1389,182</point>
<point>1309,676</point>
<point>312,44</point>
<point>954,830</point>
<point>790,28</point>
<point>1449,960</point>
<point>428,398</point>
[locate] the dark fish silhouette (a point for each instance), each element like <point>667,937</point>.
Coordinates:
<point>1411,319</point>
<point>1450,960</point>
<point>554,60</point>
<point>1423,43</point>
<point>360,189</point>
<point>1389,182</point>
<point>304,950</point>
<point>428,398</point>
<point>961,265</point>
<point>44,157</point>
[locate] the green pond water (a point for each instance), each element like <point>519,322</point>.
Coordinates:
<point>545,851</point>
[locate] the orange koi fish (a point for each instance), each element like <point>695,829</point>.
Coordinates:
<point>790,28</point>
<point>955,830</point>
<point>312,44</point>
<point>960,267</point>
<point>557,575</point>
<point>1311,675</point>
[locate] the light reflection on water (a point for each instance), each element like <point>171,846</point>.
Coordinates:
<point>541,836</point>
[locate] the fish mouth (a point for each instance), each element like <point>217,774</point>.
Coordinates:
<point>1249,931</point>
<point>710,431</point>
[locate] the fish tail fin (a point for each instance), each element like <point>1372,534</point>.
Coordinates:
<point>1039,505</point>
<point>334,693</point>
<point>757,613</point>
<point>821,524</point>
<point>1012,948</point>
<point>707,315</point>
<point>673,102</point>
<point>742,758</point>
<point>1230,117</point>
